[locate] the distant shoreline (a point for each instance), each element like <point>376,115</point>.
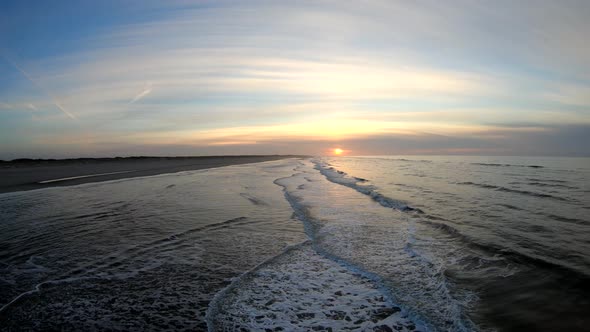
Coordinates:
<point>30,174</point>
<point>55,161</point>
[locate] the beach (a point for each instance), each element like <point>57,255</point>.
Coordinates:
<point>31,174</point>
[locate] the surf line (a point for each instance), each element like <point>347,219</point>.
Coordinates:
<point>82,176</point>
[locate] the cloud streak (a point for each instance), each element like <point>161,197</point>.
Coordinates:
<point>146,91</point>
<point>54,100</point>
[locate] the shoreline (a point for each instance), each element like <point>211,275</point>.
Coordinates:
<point>31,174</point>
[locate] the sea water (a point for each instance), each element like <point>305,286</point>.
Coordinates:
<point>505,239</point>
<point>358,243</point>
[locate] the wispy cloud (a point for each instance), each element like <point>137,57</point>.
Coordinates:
<point>146,91</point>
<point>249,74</point>
<point>56,103</point>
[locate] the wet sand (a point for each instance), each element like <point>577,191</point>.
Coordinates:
<point>35,174</point>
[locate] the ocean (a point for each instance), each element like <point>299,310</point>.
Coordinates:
<point>380,243</point>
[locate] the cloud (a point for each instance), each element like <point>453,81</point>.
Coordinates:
<point>146,91</point>
<point>54,100</point>
<point>571,94</point>
<point>249,74</point>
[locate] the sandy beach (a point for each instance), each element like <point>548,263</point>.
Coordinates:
<point>28,174</point>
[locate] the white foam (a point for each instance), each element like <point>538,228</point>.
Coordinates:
<point>302,290</point>
<point>382,245</point>
<point>360,185</point>
<point>82,176</point>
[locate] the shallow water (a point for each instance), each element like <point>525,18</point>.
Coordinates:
<point>140,254</point>
<point>413,243</point>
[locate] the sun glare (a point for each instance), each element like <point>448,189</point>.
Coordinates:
<point>338,151</point>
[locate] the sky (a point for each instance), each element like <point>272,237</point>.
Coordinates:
<point>120,78</point>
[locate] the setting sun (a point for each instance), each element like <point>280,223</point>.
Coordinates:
<point>338,151</point>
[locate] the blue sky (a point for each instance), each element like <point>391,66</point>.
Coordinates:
<point>106,78</point>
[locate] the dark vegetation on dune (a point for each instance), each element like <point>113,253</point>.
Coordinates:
<point>51,161</point>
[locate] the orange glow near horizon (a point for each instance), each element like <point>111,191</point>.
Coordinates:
<point>338,151</point>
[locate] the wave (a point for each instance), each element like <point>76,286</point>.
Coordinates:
<point>397,159</point>
<point>507,165</point>
<point>342,178</point>
<point>568,220</point>
<point>299,288</point>
<point>549,215</point>
<point>218,299</point>
<point>551,185</point>
<point>547,180</point>
<point>423,281</point>
<point>91,270</point>
<point>511,207</point>
<point>509,254</point>
<point>253,200</point>
<point>38,287</point>
<point>516,191</point>
<point>520,256</point>
<point>413,160</point>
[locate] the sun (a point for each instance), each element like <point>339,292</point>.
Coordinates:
<point>338,151</point>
